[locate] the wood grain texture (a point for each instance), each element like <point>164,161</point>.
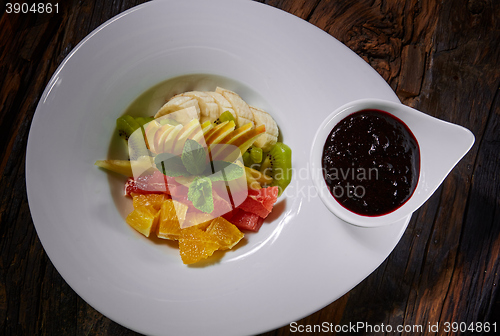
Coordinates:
<point>440,57</point>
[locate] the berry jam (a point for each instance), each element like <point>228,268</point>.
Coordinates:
<point>371,162</point>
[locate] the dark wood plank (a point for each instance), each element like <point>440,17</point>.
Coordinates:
<point>412,70</point>
<point>300,8</point>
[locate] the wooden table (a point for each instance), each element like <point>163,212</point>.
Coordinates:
<point>441,57</point>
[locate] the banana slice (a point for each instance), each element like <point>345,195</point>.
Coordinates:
<point>182,116</point>
<point>267,140</point>
<point>177,103</point>
<point>243,113</point>
<point>209,105</point>
<point>224,104</point>
<point>209,109</point>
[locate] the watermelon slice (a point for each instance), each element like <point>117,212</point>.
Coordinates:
<point>155,183</point>
<point>246,220</point>
<point>228,215</point>
<point>260,202</point>
<point>147,184</point>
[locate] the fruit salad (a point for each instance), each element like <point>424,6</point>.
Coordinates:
<point>205,170</point>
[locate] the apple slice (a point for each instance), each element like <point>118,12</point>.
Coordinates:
<point>214,128</point>
<point>150,130</point>
<point>220,132</point>
<point>168,144</point>
<point>197,134</point>
<point>186,132</point>
<point>207,126</point>
<point>226,145</point>
<point>242,142</point>
<point>249,138</point>
<point>237,133</point>
<point>160,137</point>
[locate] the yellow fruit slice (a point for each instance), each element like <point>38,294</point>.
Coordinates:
<point>237,133</point>
<point>207,127</point>
<point>219,132</point>
<point>150,130</point>
<point>143,219</point>
<point>186,132</point>
<point>122,167</point>
<point>197,135</point>
<point>226,234</point>
<point>172,215</point>
<point>249,138</point>
<point>195,245</point>
<point>225,150</point>
<point>169,142</point>
<point>160,136</point>
<point>199,219</point>
<point>154,200</point>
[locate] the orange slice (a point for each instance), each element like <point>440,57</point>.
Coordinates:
<point>226,234</point>
<point>195,245</point>
<point>154,200</point>
<point>199,219</point>
<point>172,215</point>
<point>144,219</point>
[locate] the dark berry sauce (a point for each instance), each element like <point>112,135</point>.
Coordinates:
<point>371,162</point>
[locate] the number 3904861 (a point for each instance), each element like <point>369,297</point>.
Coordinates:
<point>25,8</point>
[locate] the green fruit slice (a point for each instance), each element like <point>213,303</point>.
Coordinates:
<point>252,156</point>
<point>122,167</point>
<point>256,154</point>
<point>278,165</point>
<point>137,145</point>
<point>126,125</point>
<point>143,120</point>
<point>225,116</point>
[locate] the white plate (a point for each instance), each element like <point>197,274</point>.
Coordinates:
<point>300,261</point>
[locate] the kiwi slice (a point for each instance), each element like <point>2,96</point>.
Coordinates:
<point>252,156</point>
<point>143,120</point>
<point>126,125</point>
<point>137,146</point>
<point>225,116</point>
<point>278,165</point>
